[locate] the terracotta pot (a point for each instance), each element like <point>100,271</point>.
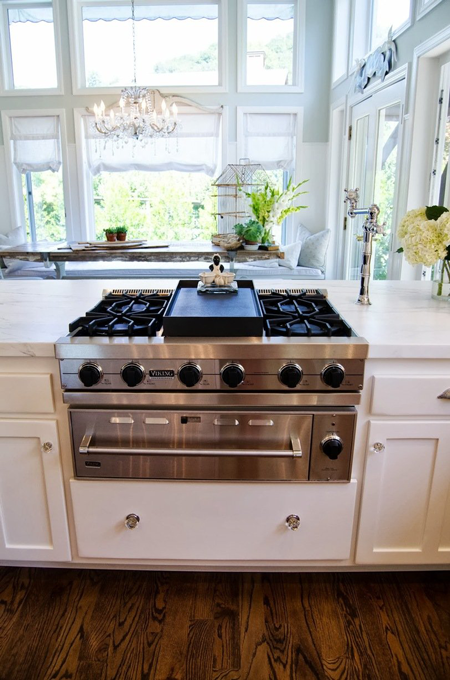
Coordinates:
<point>121,235</point>
<point>111,237</point>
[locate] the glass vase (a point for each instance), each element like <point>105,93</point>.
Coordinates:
<point>440,289</point>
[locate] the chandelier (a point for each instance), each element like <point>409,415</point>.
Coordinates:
<point>138,118</point>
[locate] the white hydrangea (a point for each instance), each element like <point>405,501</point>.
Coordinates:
<point>424,241</point>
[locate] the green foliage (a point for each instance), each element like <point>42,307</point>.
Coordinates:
<point>48,205</point>
<point>206,60</point>
<point>250,231</point>
<point>278,52</point>
<point>121,230</point>
<point>166,206</point>
<point>433,212</point>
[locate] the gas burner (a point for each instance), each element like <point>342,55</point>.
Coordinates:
<point>128,315</point>
<point>301,314</point>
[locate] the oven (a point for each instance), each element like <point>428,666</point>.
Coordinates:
<point>238,409</point>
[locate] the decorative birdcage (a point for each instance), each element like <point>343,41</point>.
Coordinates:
<point>232,203</point>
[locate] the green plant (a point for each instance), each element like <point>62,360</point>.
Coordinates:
<point>110,230</point>
<point>121,230</point>
<point>252,230</point>
<point>270,205</point>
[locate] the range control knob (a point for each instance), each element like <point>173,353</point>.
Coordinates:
<point>132,374</point>
<point>90,374</point>
<point>290,375</point>
<point>332,446</point>
<point>233,375</point>
<point>333,375</point>
<point>190,374</point>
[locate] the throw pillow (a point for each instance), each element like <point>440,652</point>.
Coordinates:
<point>291,255</point>
<point>302,233</point>
<point>314,250</point>
<point>12,238</point>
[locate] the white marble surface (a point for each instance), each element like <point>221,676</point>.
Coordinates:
<point>402,322</point>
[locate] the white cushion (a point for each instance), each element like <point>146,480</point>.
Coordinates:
<point>291,255</point>
<point>314,250</point>
<point>268,264</point>
<point>302,233</point>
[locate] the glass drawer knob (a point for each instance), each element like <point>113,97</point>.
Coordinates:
<point>132,520</point>
<point>378,447</point>
<point>293,522</point>
<point>47,446</point>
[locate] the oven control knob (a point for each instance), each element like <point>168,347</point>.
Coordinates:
<point>332,446</point>
<point>190,374</point>
<point>290,375</point>
<point>132,374</point>
<point>233,375</point>
<point>333,375</point>
<point>90,374</point>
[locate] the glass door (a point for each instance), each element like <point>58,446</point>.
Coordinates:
<point>374,168</point>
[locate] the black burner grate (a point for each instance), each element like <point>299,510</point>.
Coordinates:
<point>128,315</point>
<point>307,314</point>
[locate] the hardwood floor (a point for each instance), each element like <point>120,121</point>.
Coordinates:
<point>137,625</point>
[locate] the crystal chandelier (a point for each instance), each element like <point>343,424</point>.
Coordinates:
<point>138,119</point>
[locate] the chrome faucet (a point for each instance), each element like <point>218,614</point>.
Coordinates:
<point>370,227</point>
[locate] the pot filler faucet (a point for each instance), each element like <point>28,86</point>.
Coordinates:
<point>370,227</point>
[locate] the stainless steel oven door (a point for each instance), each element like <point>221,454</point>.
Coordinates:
<point>202,445</point>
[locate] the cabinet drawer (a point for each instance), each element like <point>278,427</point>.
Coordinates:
<point>399,395</point>
<point>213,521</point>
<point>26,393</point>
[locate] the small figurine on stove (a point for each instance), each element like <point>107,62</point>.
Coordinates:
<point>217,269</point>
<point>217,280</point>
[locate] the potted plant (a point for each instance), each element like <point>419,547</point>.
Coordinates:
<point>110,234</point>
<point>251,232</point>
<point>121,233</point>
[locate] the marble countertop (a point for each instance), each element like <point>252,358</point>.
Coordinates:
<point>403,321</point>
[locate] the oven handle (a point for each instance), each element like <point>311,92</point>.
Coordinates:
<point>86,448</point>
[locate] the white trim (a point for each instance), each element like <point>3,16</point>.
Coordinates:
<point>400,73</point>
<point>13,176</point>
<point>298,62</point>
<point>341,40</point>
<point>423,7</point>
<point>6,79</point>
<point>77,55</point>
<point>338,149</point>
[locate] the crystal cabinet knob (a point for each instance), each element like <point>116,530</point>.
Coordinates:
<point>47,446</point>
<point>132,520</point>
<point>293,522</point>
<point>378,447</point>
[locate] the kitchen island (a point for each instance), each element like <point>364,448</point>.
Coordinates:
<point>394,513</point>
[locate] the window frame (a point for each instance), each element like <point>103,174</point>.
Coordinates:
<point>77,49</point>
<point>398,31</point>
<point>13,176</point>
<point>7,88</point>
<point>298,61</point>
<point>424,6</point>
<point>348,43</point>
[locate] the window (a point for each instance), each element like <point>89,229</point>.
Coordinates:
<point>385,14</point>
<point>159,206</point>
<point>271,136</point>
<point>424,6</point>
<point>177,44</point>
<point>29,53</point>
<point>341,31</point>
<point>36,155</point>
<point>161,191</point>
<point>271,45</point>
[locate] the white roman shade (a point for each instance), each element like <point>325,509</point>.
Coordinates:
<point>194,148</point>
<point>36,143</point>
<point>270,138</point>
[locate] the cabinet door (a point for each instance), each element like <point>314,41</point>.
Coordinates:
<point>33,522</point>
<point>405,508</point>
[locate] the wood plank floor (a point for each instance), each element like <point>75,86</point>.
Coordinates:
<point>136,625</point>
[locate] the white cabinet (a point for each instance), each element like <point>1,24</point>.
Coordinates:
<point>33,523</point>
<point>405,508</point>
<point>216,521</point>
